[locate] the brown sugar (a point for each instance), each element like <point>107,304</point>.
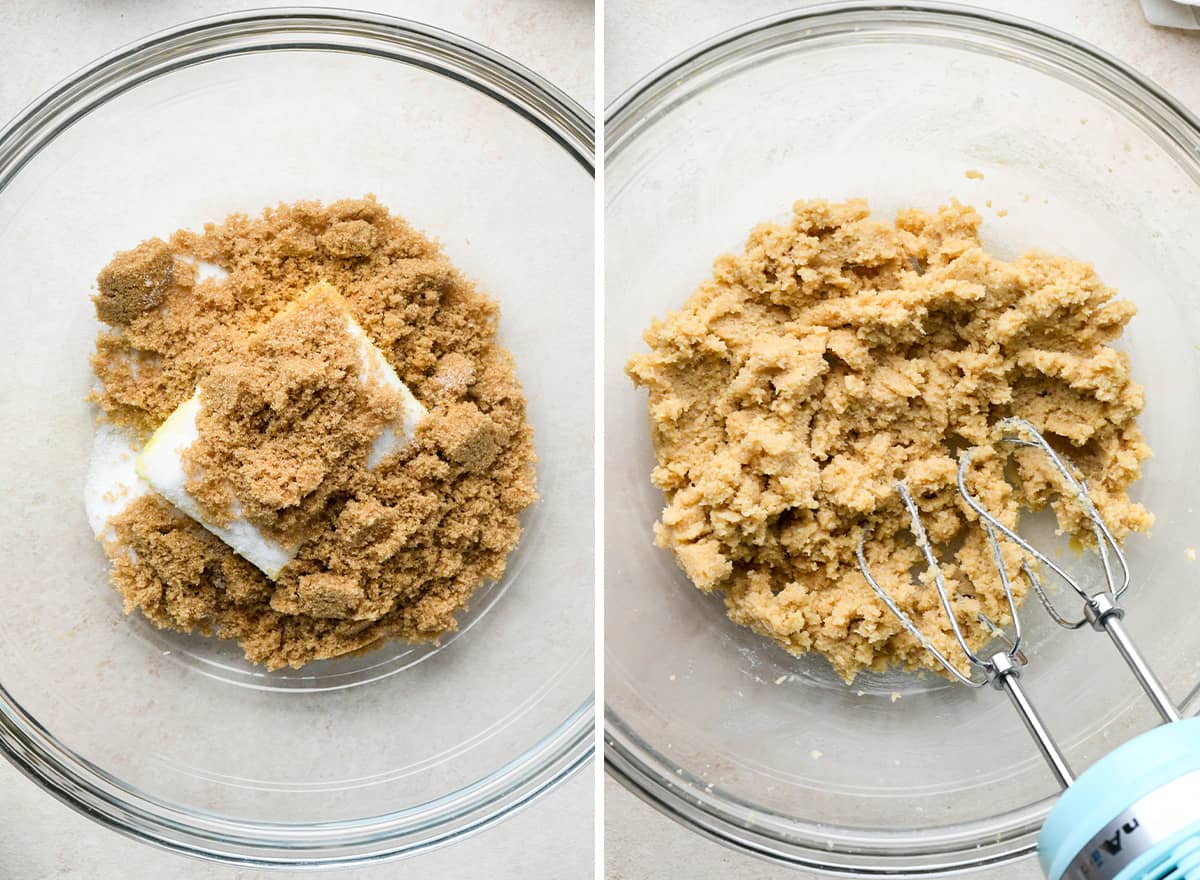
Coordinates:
<point>838,354</point>
<point>467,438</point>
<point>286,423</point>
<point>134,283</point>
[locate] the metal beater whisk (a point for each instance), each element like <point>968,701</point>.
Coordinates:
<point>1135,814</point>
<point>1003,668</point>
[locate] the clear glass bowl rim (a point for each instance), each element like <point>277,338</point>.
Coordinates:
<point>628,757</point>
<point>86,787</point>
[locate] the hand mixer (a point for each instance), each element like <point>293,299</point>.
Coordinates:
<point>1134,814</point>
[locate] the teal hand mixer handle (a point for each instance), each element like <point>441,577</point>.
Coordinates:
<point>1135,813</point>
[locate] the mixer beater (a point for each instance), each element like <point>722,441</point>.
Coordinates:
<point>1136,812</point>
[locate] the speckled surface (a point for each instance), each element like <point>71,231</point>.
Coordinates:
<point>640,843</point>
<point>42,42</point>
<point>639,36</point>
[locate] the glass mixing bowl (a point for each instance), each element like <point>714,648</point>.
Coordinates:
<point>175,739</point>
<point>716,726</point>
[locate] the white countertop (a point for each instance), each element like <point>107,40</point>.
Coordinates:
<point>640,843</point>
<point>42,41</point>
<point>640,35</point>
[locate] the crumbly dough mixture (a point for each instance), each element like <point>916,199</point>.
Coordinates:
<point>838,354</point>
<point>285,428</point>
